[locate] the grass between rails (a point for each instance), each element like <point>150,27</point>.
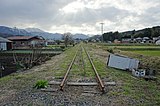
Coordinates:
<point>81,67</point>
<point>77,70</point>
<point>99,65</point>
<point>88,68</point>
<point>69,54</point>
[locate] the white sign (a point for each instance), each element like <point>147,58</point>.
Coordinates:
<point>122,62</point>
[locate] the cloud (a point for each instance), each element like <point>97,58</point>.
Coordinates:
<point>82,16</point>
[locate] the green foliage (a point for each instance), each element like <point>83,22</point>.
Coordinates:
<point>41,84</point>
<point>147,32</point>
<point>110,50</point>
<point>111,36</point>
<point>62,47</point>
<point>19,65</point>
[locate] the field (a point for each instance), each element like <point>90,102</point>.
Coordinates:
<point>43,51</point>
<point>147,53</point>
<point>17,88</point>
<point>149,50</point>
<point>16,60</point>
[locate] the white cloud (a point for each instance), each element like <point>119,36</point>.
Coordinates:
<point>82,16</point>
<point>73,7</point>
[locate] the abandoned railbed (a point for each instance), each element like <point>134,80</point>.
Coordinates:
<point>99,81</point>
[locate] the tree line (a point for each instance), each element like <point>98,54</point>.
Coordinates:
<point>147,32</point>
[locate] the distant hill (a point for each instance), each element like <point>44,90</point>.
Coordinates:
<point>146,32</point>
<point>33,30</point>
<point>5,35</point>
<point>95,37</point>
<point>13,31</point>
<point>46,35</point>
<point>7,31</point>
<point>80,36</point>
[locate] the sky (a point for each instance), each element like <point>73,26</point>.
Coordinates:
<point>80,16</point>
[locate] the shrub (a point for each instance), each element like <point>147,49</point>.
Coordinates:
<point>110,50</point>
<point>19,66</point>
<point>62,47</point>
<point>41,84</point>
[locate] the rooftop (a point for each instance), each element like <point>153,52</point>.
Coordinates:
<point>24,37</point>
<point>3,40</point>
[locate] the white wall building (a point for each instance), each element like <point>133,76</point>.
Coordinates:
<point>158,42</point>
<point>5,44</point>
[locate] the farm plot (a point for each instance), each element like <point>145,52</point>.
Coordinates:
<point>149,55</point>
<point>11,61</point>
<point>147,52</point>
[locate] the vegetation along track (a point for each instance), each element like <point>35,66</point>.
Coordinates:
<point>100,83</point>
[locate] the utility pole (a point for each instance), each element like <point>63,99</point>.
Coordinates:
<point>102,30</point>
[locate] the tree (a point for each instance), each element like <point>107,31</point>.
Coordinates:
<point>67,37</point>
<point>111,36</point>
<point>147,32</point>
<point>133,33</point>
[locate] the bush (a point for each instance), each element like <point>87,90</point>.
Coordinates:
<point>110,51</point>
<point>41,84</point>
<point>19,66</point>
<point>62,47</point>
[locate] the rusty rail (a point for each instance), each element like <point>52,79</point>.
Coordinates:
<point>66,75</point>
<point>101,85</point>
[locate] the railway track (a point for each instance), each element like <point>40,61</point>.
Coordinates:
<point>99,81</point>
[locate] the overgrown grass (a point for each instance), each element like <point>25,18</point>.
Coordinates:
<point>88,68</point>
<point>66,61</point>
<point>134,87</point>
<point>146,92</point>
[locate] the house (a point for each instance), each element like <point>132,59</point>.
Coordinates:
<point>158,42</point>
<point>126,40</point>
<point>155,39</point>
<point>25,42</point>
<point>138,40</point>
<point>146,40</point>
<point>51,42</point>
<point>5,44</point>
<point>117,41</point>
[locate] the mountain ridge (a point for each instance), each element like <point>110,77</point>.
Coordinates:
<point>7,31</point>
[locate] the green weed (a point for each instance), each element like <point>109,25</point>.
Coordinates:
<point>41,84</point>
